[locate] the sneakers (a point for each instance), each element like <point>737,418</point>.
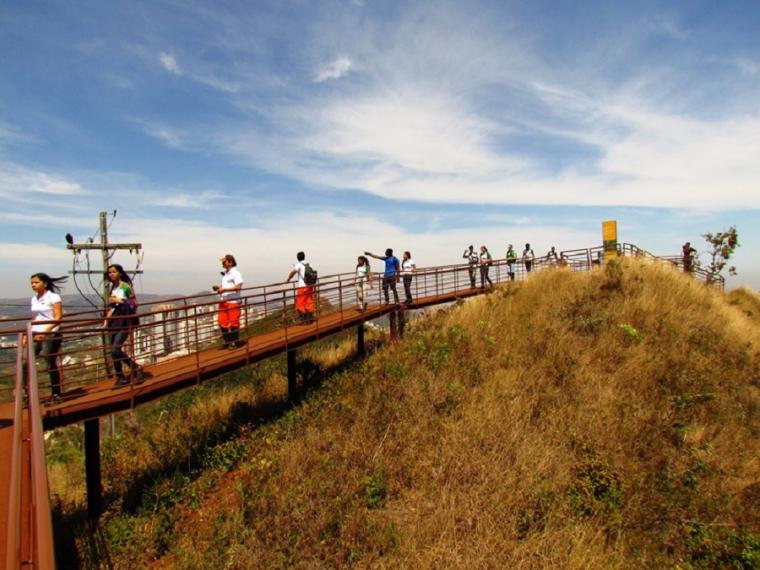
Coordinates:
<point>142,375</point>
<point>121,380</point>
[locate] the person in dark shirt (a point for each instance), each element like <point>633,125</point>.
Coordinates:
<point>688,253</point>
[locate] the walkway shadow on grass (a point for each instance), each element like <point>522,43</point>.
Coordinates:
<point>242,415</point>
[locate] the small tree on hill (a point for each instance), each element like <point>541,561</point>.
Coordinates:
<point>722,247</point>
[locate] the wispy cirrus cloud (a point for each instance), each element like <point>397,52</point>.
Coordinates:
<point>334,70</point>
<point>18,182</point>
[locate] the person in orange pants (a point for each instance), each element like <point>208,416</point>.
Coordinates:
<point>229,302</point>
<point>304,291</point>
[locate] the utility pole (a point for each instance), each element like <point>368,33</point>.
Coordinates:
<point>106,250</point>
<point>92,426</point>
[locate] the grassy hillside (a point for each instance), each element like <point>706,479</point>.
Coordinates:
<point>601,420</point>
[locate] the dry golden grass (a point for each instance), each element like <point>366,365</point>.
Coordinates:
<point>599,420</point>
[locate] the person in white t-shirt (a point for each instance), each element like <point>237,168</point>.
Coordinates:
<point>229,302</point>
<point>304,292</point>
<point>46,305</point>
<point>408,269</point>
<point>363,275</point>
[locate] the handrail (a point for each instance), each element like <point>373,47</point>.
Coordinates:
<point>13,538</point>
<point>168,331</point>
<point>41,552</point>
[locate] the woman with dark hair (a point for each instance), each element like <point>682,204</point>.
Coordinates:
<point>120,318</point>
<point>408,269</point>
<point>46,305</point>
<point>485,265</point>
<point>363,275</point>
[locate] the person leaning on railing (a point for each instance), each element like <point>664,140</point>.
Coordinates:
<point>46,305</point>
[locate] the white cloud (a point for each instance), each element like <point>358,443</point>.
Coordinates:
<point>334,70</point>
<point>17,183</point>
<point>186,200</point>
<point>747,66</point>
<point>170,63</point>
<point>167,136</point>
<point>182,255</point>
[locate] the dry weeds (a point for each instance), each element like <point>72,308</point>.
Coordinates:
<point>607,419</point>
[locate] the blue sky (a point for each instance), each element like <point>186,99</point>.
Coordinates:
<point>262,128</point>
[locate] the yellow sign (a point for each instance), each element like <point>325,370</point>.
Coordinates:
<point>609,238</point>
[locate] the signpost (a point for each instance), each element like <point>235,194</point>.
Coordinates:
<point>609,239</point>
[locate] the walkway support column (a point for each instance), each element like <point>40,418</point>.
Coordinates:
<point>292,375</point>
<point>393,319</point>
<point>92,467</point>
<point>401,322</point>
<point>360,349</point>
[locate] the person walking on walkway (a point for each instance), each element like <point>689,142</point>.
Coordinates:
<point>46,305</point>
<point>472,262</point>
<point>485,265</point>
<point>229,302</point>
<point>121,317</point>
<point>362,283</point>
<point>390,275</point>
<point>511,259</point>
<point>528,257</point>
<point>552,257</point>
<point>688,253</point>
<point>304,288</point>
<point>408,269</point>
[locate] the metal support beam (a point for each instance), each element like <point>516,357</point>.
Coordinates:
<point>360,349</point>
<point>92,467</point>
<point>393,319</point>
<point>292,375</point>
<point>401,322</point>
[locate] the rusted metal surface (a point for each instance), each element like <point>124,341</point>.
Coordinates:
<point>25,519</point>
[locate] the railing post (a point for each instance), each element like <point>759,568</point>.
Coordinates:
<point>340,300</point>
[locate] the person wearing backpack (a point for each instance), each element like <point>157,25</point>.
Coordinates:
<point>390,276</point>
<point>119,321</point>
<point>306,279</point>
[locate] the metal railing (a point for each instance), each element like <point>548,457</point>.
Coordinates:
<point>29,541</point>
<point>179,327</point>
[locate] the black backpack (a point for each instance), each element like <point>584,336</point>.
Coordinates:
<point>309,274</point>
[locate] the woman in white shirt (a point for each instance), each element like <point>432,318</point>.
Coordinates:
<point>408,269</point>
<point>363,274</point>
<point>46,306</point>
